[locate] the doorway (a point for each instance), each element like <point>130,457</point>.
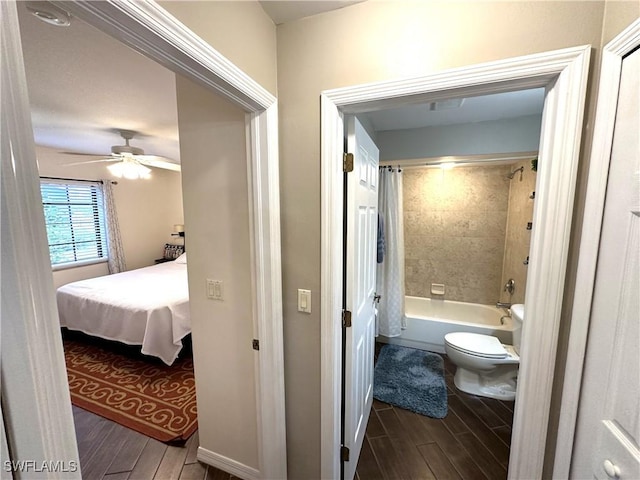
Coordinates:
<point>563,75</point>
<point>146,28</point>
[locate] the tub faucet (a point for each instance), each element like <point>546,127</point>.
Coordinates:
<point>503,305</point>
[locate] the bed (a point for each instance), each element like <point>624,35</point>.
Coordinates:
<point>148,307</point>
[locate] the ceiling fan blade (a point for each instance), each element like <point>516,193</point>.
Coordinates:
<point>85,154</point>
<point>100,160</point>
<point>158,162</point>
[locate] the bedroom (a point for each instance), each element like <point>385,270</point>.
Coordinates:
<point>213,140</point>
<point>80,98</point>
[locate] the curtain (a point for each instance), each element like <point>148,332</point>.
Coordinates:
<point>390,272</point>
<point>114,240</point>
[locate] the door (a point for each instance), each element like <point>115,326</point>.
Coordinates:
<point>608,429</point>
<point>361,214</point>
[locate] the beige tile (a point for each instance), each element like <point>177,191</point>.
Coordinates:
<point>456,229</point>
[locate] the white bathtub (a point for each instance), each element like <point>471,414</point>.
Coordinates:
<point>428,321</point>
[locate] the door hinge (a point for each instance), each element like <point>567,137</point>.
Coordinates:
<point>347,165</point>
<point>344,453</point>
<point>346,319</point>
<point>256,344</point>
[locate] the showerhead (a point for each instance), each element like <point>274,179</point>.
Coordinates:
<point>512,174</point>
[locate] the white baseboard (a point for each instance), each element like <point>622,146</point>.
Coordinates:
<point>228,465</point>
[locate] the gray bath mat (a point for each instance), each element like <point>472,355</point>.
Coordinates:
<point>411,379</point>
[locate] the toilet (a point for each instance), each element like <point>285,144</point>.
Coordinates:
<point>486,367</point>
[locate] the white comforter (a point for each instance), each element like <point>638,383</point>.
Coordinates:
<point>148,306</point>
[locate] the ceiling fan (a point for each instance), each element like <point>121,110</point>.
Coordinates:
<point>131,160</point>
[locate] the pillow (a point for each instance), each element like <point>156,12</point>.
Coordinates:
<point>171,252</point>
<point>182,258</point>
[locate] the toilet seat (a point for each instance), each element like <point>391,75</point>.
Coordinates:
<point>476,344</point>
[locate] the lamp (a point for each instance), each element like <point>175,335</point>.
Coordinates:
<point>178,230</point>
<point>129,168</point>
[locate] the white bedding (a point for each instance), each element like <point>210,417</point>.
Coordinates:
<point>148,306</point>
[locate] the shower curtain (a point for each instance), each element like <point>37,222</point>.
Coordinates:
<point>390,272</point>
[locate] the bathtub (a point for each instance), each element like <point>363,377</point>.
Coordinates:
<point>428,321</point>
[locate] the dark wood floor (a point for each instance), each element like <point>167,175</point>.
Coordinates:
<point>110,451</point>
<point>471,442</point>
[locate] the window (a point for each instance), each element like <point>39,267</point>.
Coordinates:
<point>75,219</point>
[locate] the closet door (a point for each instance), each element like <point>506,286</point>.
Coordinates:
<point>608,430</point>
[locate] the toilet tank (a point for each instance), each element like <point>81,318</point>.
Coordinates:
<point>517,315</point>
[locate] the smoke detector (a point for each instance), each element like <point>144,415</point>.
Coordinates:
<point>49,13</point>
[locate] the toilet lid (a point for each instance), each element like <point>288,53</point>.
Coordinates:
<point>476,344</point>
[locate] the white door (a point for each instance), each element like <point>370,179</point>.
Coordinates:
<point>608,431</point>
<point>360,257</point>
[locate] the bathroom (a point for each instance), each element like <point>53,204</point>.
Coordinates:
<point>467,233</point>
<point>465,198</point>
<point>457,196</point>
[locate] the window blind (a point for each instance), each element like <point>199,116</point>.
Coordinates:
<point>75,220</point>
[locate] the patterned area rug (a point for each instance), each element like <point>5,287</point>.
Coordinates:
<point>151,398</point>
<point>411,379</point>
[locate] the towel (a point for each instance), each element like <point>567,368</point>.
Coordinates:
<point>381,243</point>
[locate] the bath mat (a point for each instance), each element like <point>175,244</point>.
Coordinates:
<point>150,397</point>
<point>411,379</point>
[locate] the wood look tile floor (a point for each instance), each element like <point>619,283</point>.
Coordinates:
<point>109,451</point>
<point>471,442</point>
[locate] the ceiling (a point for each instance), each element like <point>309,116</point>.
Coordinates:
<point>84,86</point>
<point>474,109</point>
<point>287,11</point>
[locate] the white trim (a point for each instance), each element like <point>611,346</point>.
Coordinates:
<point>228,465</point>
<point>564,74</point>
<point>36,405</point>
<point>331,286</point>
<point>148,28</point>
<point>612,55</point>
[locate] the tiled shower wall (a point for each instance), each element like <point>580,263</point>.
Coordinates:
<point>518,238</point>
<point>454,226</point>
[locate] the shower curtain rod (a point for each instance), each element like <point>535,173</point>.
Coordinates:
<point>461,159</point>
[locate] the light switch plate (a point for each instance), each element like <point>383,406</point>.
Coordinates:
<point>304,300</point>
<point>215,289</point>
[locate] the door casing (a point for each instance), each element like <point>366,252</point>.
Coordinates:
<point>612,54</point>
<point>148,28</point>
<point>563,73</point>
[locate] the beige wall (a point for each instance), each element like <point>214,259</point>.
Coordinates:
<point>454,231</point>
<point>368,42</point>
<point>241,31</point>
<point>216,203</point>
<point>147,210</point>
<point>517,237</point>
<point>618,15</point>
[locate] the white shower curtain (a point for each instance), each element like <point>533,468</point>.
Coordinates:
<point>116,261</point>
<point>390,272</point>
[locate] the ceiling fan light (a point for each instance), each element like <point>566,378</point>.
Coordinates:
<point>126,150</point>
<point>129,169</point>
